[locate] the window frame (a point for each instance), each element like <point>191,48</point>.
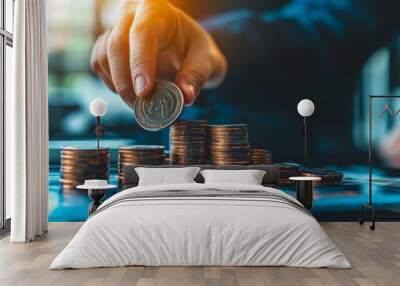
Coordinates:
<point>6,39</point>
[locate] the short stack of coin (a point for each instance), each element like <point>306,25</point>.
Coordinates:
<point>79,164</point>
<point>139,155</point>
<point>188,142</point>
<point>229,144</point>
<point>260,156</point>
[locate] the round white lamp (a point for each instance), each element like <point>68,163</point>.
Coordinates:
<point>305,108</point>
<point>98,108</point>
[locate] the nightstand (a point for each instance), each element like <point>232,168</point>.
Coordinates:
<point>305,189</point>
<point>97,190</point>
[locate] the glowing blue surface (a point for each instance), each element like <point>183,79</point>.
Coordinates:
<point>331,202</point>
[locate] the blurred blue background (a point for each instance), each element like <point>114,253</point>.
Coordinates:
<point>262,92</point>
<point>257,97</point>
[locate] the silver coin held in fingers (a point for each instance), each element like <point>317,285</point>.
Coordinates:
<point>160,109</point>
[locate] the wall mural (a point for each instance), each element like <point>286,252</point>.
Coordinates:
<point>278,53</point>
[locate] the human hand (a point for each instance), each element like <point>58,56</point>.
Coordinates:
<point>151,40</point>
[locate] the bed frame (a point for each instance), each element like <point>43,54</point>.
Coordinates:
<point>270,179</point>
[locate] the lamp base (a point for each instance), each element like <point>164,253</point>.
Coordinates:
<point>96,195</point>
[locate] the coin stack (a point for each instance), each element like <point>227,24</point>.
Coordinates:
<point>188,142</point>
<point>229,144</point>
<point>288,170</point>
<point>79,164</point>
<point>139,155</point>
<point>260,156</point>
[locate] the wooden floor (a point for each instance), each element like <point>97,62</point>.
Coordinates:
<point>375,257</point>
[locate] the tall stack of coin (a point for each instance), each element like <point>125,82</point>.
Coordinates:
<point>188,142</point>
<point>260,156</point>
<point>79,164</point>
<point>139,155</point>
<point>229,144</point>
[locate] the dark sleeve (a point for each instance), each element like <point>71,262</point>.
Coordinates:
<point>316,37</point>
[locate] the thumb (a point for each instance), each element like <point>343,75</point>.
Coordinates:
<point>195,71</point>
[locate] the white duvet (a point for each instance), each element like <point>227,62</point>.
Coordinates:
<point>200,231</point>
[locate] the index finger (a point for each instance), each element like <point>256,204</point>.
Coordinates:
<point>144,46</point>
<point>118,53</point>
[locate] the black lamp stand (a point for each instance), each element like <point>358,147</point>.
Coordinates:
<point>100,131</point>
<point>305,139</point>
<point>304,131</point>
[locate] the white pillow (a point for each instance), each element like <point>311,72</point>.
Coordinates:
<point>248,177</point>
<point>166,176</point>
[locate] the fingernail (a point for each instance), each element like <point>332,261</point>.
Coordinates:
<point>140,84</point>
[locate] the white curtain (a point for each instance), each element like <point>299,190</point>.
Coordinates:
<point>27,123</point>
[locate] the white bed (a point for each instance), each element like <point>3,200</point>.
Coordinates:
<point>184,230</point>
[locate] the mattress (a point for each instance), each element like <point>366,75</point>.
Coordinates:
<point>201,225</point>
